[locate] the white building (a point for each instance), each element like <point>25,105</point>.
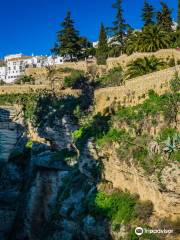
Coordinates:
<point>16,64</point>
<point>49,61</point>
<point>12,56</point>
<point>3,73</point>
<point>109,41</point>
<point>15,67</point>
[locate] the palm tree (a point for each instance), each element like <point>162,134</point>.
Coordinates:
<point>132,43</point>
<point>175,36</point>
<point>151,39</point>
<point>142,66</point>
<point>154,38</point>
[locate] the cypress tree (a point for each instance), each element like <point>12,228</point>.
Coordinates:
<point>68,39</point>
<point>164,18</point>
<point>119,26</point>
<point>102,50</point>
<point>178,19</point>
<point>147,14</point>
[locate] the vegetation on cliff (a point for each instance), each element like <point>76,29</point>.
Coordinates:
<point>132,133</point>
<point>142,66</point>
<point>133,128</point>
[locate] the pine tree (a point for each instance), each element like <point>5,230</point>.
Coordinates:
<point>164,18</point>
<point>147,13</point>
<point>178,19</point>
<point>68,39</point>
<point>119,26</point>
<point>102,50</point>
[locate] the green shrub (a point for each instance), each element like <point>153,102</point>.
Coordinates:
<point>25,79</point>
<point>142,66</point>
<point>75,80</point>
<point>118,207</point>
<point>26,100</point>
<point>175,83</point>
<point>29,144</point>
<point>2,82</point>
<point>140,154</point>
<point>95,127</point>
<point>113,135</point>
<point>113,78</point>
<point>175,156</point>
<point>78,133</point>
<point>165,133</point>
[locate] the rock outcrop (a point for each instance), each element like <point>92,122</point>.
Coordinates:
<point>165,196</point>
<point>48,183</point>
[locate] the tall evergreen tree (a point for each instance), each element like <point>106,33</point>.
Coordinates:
<point>147,13</point>
<point>178,19</point>
<point>164,18</point>
<point>102,50</point>
<point>68,39</point>
<point>119,26</point>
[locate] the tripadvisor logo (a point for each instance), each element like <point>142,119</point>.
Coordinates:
<point>139,231</point>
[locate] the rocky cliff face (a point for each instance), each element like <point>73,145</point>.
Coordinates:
<point>164,196</point>
<point>49,184</point>
<point>37,186</point>
<point>11,174</point>
<point>9,130</point>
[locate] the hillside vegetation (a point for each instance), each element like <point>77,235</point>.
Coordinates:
<point>78,143</point>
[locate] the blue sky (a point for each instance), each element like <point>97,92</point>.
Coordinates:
<point>30,26</point>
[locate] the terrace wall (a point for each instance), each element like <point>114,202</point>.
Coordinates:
<point>134,91</point>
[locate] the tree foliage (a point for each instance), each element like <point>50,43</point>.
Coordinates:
<point>147,13</point>
<point>164,18</point>
<point>102,50</point>
<point>178,17</point>
<point>75,80</point>
<point>142,66</point>
<point>119,26</point>
<point>69,44</point>
<point>151,39</point>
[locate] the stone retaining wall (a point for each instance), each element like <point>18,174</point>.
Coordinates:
<point>124,59</point>
<point>134,91</point>
<point>9,89</point>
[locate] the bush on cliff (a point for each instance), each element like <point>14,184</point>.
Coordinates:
<point>25,80</point>
<point>26,100</point>
<point>119,207</point>
<point>75,80</point>
<point>113,78</point>
<point>129,129</point>
<point>142,66</point>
